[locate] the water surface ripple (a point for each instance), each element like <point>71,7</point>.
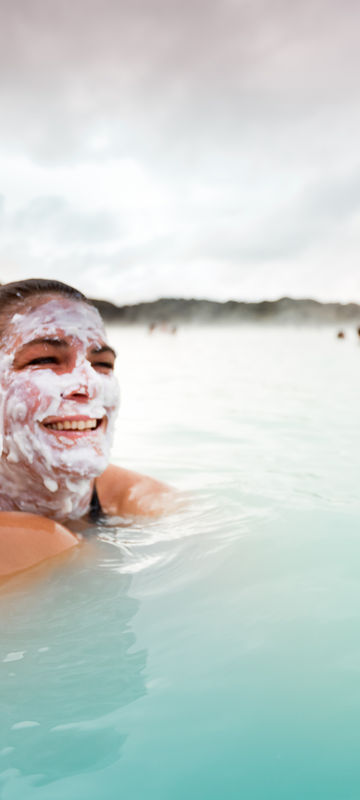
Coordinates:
<point>213,652</point>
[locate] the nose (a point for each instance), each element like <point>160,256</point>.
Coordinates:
<point>81,385</point>
<point>80,394</point>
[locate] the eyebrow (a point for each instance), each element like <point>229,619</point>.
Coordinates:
<point>104,349</point>
<point>46,340</point>
<point>63,343</point>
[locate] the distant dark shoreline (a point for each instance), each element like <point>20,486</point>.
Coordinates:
<point>179,311</point>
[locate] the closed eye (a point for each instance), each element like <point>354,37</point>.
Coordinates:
<point>103,365</point>
<point>42,360</point>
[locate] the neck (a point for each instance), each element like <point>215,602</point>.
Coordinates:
<point>59,496</point>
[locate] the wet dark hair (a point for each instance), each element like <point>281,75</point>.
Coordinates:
<point>18,291</point>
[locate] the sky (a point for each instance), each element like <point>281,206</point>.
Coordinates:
<point>182,148</point>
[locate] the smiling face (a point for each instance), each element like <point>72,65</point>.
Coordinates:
<point>59,395</point>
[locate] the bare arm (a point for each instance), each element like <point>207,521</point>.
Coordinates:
<point>123,492</point>
<point>28,539</point>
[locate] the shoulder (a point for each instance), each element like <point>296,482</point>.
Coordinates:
<point>122,491</point>
<point>28,539</point>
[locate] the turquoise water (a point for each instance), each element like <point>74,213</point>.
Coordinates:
<point>216,652</point>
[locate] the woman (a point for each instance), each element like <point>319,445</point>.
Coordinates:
<point>58,404</point>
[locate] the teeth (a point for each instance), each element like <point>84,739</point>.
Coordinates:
<point>73,425</point>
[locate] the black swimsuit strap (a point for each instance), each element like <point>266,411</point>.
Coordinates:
<point>95,510</point>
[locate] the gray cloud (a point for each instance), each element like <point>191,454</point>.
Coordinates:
<point>158,71</point>
<point>54,217</point>
<point>246,116</point>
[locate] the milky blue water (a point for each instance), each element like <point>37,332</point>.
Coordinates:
<point>214,653</point>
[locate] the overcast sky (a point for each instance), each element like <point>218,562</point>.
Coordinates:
<point>193,148</point>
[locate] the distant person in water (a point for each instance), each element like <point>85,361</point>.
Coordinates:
<point>58,405</point>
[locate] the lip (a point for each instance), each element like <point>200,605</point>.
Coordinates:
<point>73,418</point>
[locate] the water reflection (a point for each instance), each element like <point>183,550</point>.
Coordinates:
<point>69,663</point>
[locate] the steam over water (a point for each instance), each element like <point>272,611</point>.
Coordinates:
<point>214,653</point>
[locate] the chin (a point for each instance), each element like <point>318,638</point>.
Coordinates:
<point>46,457</point>
<point>83,460</point>
<point>82,465</point>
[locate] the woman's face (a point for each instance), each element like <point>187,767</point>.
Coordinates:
<point>59,394</point>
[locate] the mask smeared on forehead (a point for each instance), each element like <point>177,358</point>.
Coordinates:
<point>29,396</point>
<point>46,318</point>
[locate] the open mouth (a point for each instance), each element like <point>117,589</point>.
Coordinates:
<point>73,424</point>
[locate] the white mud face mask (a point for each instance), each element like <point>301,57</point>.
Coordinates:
<point>57,413</point>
